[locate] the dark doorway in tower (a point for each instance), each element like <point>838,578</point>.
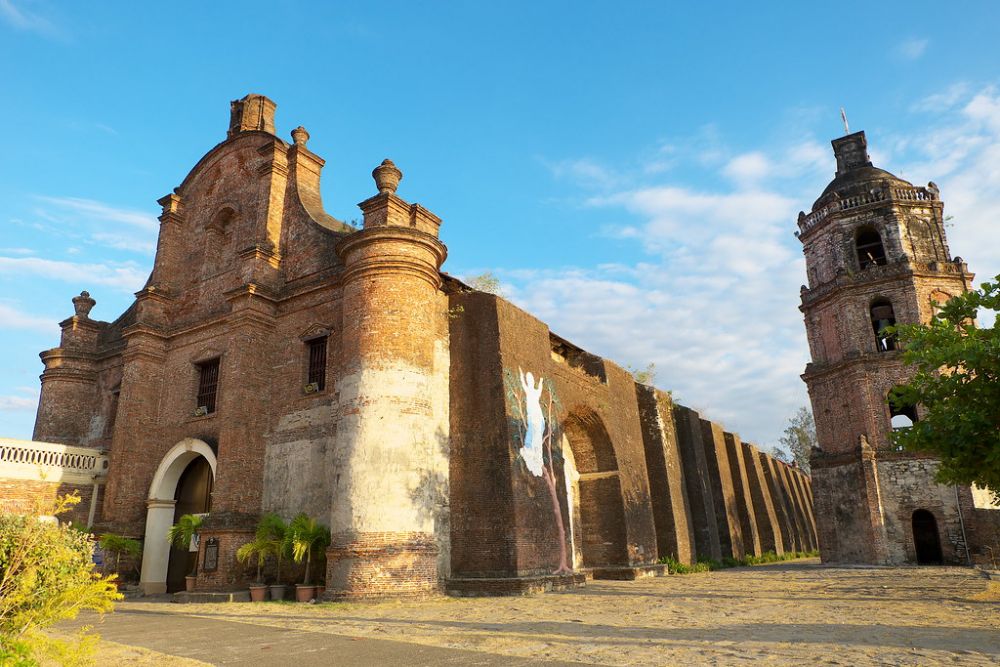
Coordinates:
<point>193,496</point>
<point>926,539</point>
<point>598,516</point>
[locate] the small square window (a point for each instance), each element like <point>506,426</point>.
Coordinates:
<point>208,384</point>
<point>317,363</point>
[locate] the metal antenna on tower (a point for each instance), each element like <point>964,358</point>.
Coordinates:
<point>843,117</point>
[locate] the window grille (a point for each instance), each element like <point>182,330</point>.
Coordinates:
<point>208,384</point>
<point>317,362</point>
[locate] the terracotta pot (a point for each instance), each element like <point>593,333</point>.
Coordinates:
<point>189,583</point>
<point>278,591</point>
<point>304,593</point>
<point>258,592</point>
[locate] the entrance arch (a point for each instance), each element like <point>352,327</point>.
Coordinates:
<point>926,539</point>
<point>597,512</point>
<point>162,504</point>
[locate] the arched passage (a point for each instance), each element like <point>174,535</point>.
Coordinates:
<point>926,539</point>
<point>179,485</point>
<point>598,516</point>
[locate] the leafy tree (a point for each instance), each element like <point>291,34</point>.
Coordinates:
<point>957,382</point>
<point>779,454</point>
<point>486,282</point>
<point>800,437</point>
<point>46,576</point>
<point>645,376</point>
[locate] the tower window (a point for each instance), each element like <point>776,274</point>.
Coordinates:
<point>901,413</point>
<point>869,247</point>
<point>208,384</point>
<point>317,362</point>
<point>883,318</point>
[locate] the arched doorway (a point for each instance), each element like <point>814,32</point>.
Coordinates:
<point>597,513</point>
<point>193,496</point>
<point>182,483</point>
<point>926,539</point>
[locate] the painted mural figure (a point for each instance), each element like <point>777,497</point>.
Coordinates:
<point>537,431</point>
<point>534,435</point>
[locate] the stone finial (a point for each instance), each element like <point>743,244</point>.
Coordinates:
<point>83,305</point>
<point>387,177</point>
<point>300,136</point>
<point>251,113</point>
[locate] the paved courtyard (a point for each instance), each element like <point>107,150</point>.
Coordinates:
<point>785,614</point>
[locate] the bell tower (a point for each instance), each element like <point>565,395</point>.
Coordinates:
<point>876,255</point>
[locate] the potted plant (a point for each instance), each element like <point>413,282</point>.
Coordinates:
<point>273,530</point>
<point>259,547</point>
<point>118,546</point>
<point>181,535</point>
<point>305,537</point>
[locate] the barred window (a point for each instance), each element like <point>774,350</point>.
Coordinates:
<point>208,384</point>
<point>317,362</point>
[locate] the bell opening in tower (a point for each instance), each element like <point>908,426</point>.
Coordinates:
<point>869,247</point>
<point>883,317</point>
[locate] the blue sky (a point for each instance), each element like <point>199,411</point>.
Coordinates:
<point>632,174</point>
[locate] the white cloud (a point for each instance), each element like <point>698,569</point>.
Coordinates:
<point>585,171</point>
<point>26,400</point>
<point>911,49</point>
<point>126,276</point>
<point>748,168</point>
<point>12,318</point>
<point>22,19</point>
<point>945,100</point>
<point>101,212</point>
<point>125,242</point>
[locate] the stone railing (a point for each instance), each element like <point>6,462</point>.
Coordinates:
<point>809,220</point>
<point>50,462</point>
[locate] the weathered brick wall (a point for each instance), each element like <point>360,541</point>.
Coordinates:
<point>906,484</point>
<point>24,496</point>
<point>482,523</point>
<point>668,493</point>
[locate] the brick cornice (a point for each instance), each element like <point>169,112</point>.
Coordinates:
<point>391,263</point>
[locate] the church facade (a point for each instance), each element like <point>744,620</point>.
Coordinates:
<point>877,255</point>
<point>280,360</point>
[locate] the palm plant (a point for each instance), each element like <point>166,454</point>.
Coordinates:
<point>273,530</point>
<point>120,545</point>
<point>182,532</point>
<point>259,547</point>
<point>305,536</point>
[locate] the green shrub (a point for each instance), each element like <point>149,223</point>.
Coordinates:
<point>46,576</point>
<point>706,564</point>
<point>118,546</point>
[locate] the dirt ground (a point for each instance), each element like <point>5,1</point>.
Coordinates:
<point>785,614</point>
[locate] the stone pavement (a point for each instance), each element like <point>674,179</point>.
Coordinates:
<point>220,642</point>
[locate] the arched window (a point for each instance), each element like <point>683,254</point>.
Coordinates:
<point>883,317</point>
<point>869,246</point>
<point>901,413</point>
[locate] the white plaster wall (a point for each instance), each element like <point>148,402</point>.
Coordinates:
<point>296,470</point>
<point>390,460</point>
